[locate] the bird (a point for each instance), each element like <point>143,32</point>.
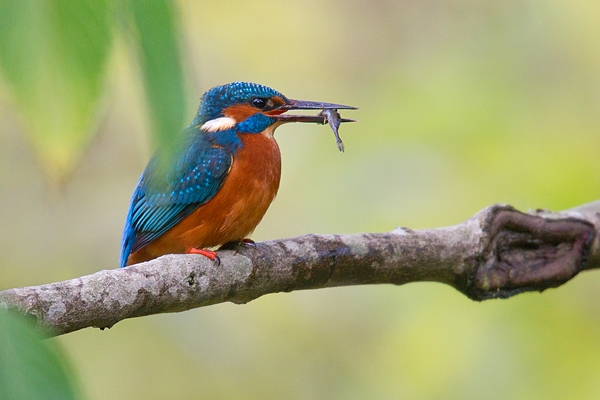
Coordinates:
<point>218,179</point>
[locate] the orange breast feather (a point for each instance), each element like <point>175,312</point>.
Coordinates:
<point>236,209</point>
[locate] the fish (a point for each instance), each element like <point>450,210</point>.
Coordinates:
<point>333,117</point>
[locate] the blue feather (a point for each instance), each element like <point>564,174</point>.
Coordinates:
<point>218,98</point>
<point>164,197</point>
<point>170,190</point>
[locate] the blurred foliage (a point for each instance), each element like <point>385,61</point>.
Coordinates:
<point>462,104</point>
<point>54,55</point>
<point>161,65</point>
<point>30,368</point>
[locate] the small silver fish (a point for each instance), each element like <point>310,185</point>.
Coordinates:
<point>328,114</point>
<point>334,118</point>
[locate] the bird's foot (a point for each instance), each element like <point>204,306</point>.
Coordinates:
<point>211,255</point>
<point>236,245</point>
<point>247,242</point>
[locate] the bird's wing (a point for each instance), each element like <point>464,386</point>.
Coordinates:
<point>163,199</point>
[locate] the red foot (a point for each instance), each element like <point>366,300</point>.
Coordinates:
<point>238,244</point>
<point>211,255</point>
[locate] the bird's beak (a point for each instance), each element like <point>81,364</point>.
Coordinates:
<point>308,105</point>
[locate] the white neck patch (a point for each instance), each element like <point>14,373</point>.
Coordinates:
<point>218,124</point>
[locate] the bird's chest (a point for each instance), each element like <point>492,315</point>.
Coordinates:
<point>249,188</point>
<point>256,169</point>
<point>242,200</point>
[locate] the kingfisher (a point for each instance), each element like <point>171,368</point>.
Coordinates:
<point>216,182</point>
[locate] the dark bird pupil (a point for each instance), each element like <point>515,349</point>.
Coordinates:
<point>259,103</point>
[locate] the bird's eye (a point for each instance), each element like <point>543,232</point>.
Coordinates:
<point>259,102</point>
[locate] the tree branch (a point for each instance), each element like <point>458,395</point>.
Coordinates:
<point>497,253</point>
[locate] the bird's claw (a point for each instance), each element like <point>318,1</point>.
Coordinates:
<point>211,255</point>
<point>237,245</point>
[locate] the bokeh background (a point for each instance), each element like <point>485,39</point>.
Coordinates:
<point>462,104</point>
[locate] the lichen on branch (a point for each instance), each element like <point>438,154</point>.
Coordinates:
<point>497,253</point>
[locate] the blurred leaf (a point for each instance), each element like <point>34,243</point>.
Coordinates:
<point>53,55</point>
<point>161,66</point>
<point>30,368</point>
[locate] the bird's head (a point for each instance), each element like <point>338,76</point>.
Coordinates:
<point>252,108</point>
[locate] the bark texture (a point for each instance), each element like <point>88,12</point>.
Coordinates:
<point>497,253</point>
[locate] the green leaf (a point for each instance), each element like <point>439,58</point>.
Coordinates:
<point>158,49</point>
<point>53,56</point>
<point>30,367</point>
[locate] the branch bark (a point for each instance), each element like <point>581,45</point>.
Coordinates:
<point>497,253</point>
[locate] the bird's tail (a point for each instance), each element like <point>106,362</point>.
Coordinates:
<point>129,233</point>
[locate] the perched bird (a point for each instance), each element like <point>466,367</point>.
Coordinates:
<point>217,182</point>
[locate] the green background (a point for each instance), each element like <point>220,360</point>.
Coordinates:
<point>462,104</point>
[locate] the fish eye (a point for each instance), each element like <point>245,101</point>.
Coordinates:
<point>259,102</point>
